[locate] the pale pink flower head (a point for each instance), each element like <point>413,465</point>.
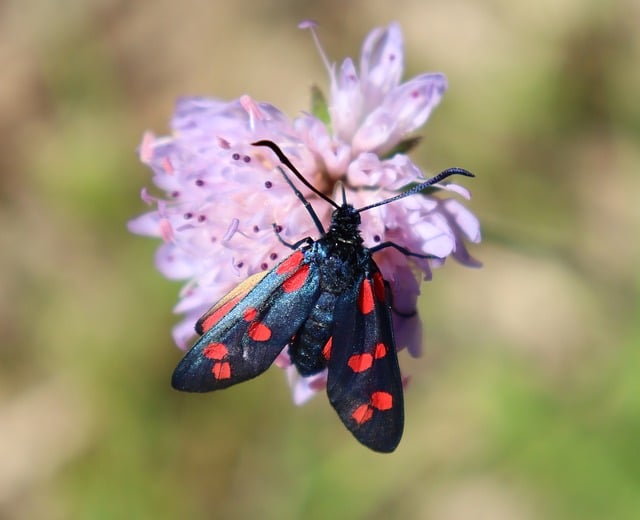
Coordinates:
<point>218,197</point>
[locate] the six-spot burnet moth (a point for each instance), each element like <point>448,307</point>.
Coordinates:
<point>328,304</point>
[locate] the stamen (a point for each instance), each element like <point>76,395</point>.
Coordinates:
<point>233,227</point>
<point>252,108</point>
<point>146,147</point>
<point>166,231</point>
<point>147,197</point>
<point>167,166</point>
<point>311,25</point>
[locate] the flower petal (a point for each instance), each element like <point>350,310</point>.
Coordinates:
<point>147,224</point>
<point>466,221</point>
<point>174,263</point>
<point>403,110</point>
<point>304,388</point>
<point>381,63</point>
<point>346,103</point>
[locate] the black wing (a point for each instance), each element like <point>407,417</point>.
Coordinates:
<point>246,330</point>
<point>364,383</point>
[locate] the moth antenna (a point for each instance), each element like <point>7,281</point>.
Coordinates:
<point>416,189</point>
<point>305,202</point>
<point>285,160</point>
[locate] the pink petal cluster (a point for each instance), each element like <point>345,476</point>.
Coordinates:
<point>221,195</point>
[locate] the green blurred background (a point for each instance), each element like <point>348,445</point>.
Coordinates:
<point>527,402</point>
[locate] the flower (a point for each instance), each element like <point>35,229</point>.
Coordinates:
<point>221,195</point>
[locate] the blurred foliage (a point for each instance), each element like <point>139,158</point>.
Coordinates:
<point>527,401</point>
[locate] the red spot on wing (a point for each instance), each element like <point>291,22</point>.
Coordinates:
<point>297,280</point>
<point>380,351</point>
<point>218,314</point>
<point>379,401</point>
<point>378,287</point>
<point>362,414</point>
<point>290,264</point>
<point>221,370</point>
<point>259,331</point>
<point>215,351</point>
<point>250,314</point>
<point>326,350</point>
<point>382,400</point>
<point>365,297</point>
<point>360,362</point>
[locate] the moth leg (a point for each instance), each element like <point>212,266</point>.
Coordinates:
<point>295,245</point>
<point>403,250</point>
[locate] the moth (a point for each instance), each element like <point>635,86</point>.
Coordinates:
<point>329,305</point>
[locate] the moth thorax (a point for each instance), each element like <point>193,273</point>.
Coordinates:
<point>345,223</point>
